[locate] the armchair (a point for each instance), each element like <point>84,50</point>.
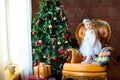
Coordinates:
<point>73,68</point>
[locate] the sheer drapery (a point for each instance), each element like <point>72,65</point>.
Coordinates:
<point>18,15</point>
<point>3,37</point>
<point>20,35</point>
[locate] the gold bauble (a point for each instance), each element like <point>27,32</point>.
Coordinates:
<point>54,18</point>
<point>44,56</point>
<point>50,26</point>
<point>40,41</point>
<point>59,43</point>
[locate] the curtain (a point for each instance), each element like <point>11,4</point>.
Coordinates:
<point>19,35</point>
<point>3,37</point>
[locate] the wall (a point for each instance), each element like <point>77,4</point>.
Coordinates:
<point>108,10</point>
<point>76,10</point>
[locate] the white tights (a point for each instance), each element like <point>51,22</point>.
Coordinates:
<point>88,58</point>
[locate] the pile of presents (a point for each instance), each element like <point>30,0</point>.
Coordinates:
<point>41,72</point>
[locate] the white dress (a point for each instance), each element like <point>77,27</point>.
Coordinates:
<point>86,47</point>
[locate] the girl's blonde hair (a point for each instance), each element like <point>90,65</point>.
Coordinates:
<point>86,20</point>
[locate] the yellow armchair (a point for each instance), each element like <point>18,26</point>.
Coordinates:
<point>73,68</point>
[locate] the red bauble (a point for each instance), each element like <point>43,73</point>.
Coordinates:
<point>36,43</point>
<point>35,64</point>
<point>65,36</point>
<point>62,51</point>
<point>54,58</point>
<point>38,21</point>
<point>63,18</point>
<point>33,33</point>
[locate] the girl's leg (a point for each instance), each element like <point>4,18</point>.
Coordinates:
<point>93,56</point>
<point>87,60</point>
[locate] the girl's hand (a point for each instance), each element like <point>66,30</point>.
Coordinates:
<point>94,39</point>
<point>93,45</point>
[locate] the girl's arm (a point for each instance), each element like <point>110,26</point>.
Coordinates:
<point>94,38</point>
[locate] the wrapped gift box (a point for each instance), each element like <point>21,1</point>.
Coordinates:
<point>34,78</point>
<point>42,71</point>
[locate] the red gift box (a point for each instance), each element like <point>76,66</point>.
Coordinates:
<point>34,78</point>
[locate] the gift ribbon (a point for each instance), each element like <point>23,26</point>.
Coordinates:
<point>38,70</point>
<point>47,71</point>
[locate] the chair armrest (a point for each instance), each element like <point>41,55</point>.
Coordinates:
<point>74,56</point>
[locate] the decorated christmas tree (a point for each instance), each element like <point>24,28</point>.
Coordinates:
<point>50,35</point>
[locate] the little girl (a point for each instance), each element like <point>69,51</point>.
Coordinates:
<point>91,45</point>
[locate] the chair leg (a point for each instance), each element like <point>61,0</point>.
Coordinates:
<point>105,77</point>
<point>63,77</point>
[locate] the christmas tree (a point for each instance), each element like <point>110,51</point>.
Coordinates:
<point>50,35</point>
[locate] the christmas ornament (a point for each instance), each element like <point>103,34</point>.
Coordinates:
<point>50,26</point>
<point>62,50</point>
<point>53,40</point>
<point>66,41</point>
<point>54,18</point>
<point>65,36</point>
<point>33,33</point>
<point>37,43</point>
<point>38,21</point>
<point>44,56</point>
<point>59,43</point>
<point>35,64</point>
<point>40,42</point>
<point>63,18</point>
<point>54,58</point>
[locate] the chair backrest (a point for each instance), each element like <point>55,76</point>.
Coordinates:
<point>101,27</point>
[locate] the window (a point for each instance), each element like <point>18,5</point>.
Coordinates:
<point>15,35</point>
<point>3,32</point>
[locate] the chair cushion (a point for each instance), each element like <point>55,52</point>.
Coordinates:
<point>78,74</point>
<point>77,67</point>
<point>104,56</point>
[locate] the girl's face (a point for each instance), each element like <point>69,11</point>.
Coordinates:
<point>88,25</point>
